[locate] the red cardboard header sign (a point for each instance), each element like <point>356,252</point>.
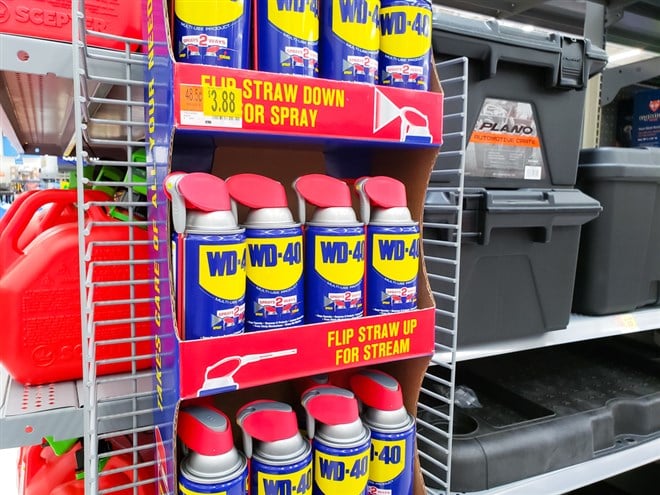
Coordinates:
<point>263,103</point>
<point>224,364</point>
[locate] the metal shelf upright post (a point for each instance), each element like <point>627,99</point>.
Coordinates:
<point>123,95</point>
<point>436,411</point>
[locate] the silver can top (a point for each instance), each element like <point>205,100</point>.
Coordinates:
<point>270,218</point>
<point>390,421</point>
<point>281,452</point>
<point>346,435</point>
<point>399,215</point>
<point>213,469</point>
<point>212,222</point>
<point>340,216</point>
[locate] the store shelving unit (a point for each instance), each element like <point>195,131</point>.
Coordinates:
<point>100,407</point>
<point>580,328</point>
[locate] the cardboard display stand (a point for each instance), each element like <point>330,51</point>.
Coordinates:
<point>368,130</point>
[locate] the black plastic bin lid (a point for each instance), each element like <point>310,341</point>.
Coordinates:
<point>624,164</point>
<point>570,60</point>
<point>541,209</point>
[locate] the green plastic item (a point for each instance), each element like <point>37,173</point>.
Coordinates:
<point>61,447</point>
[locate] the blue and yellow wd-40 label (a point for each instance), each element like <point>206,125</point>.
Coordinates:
<point>340,471</point>
<point>238,485</point>
<point>391,462</point>
<point>287,36</point>
<point>275,289</point>
<point>212,32</point>
<point>334,276</point>
<point>405,43</point>
<point>292,479</point>
<point>392,267</point>
<point>350,40</point>
<point>213,290</point>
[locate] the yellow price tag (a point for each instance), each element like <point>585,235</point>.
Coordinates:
<point>628,321</point>
<point>222,102</point>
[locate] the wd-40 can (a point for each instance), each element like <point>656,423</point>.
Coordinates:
<point>349,40</point>
<point>392,245</point>
<point>405,43</point>
<point>340,441</point>
<point>210,251</point>
<point>287,36</point>
<point>211,465</point>
<point>334,250</point>
<point>212,32</point>
<point>392,432</point>
<point>274,294</point>
<point>280,458</point>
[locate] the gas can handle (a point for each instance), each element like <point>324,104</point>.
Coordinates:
<point>11,212</point>
<point>11,234</point>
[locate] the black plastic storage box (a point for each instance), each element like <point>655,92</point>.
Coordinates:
<point>526,94</point>
<point>518,260</point>
<point>544,410</point>
<point>619,261</point>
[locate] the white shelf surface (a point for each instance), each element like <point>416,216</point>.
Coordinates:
<point>29,413</point>
<point>579,328</point>
<point>583,474</point>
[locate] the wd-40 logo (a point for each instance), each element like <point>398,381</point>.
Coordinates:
<point>222,270</point>
<point>405,32</point>
<point>356,22</point>
<point>275,264</point>
<point>396,256</point>
<point>298,18</point>
<point>340,259</point>
<point>296,483</point>
<point>209,12</point>
<point>387,460</point>
<point>336,475</point>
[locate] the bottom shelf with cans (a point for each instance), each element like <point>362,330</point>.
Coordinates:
<point>360,438</point>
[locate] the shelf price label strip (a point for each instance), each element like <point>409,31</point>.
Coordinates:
<point>262,103</point>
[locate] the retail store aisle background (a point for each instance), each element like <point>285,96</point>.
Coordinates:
<point>8,473</point>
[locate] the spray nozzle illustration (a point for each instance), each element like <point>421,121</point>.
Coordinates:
<point>414,124</point>
<point>225,382</point>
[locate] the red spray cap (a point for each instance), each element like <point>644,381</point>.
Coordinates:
<point>267,421</point>
<point>195,191</point>
<point>205,430</point>
<point>382,192</point>
<point>329,405</point>
<point>257,191</point>
<point>324,192</point>
<point>377,389</point>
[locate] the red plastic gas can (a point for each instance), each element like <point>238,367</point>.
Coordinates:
<point>60,209</point>
<point>51,19</point>
<point>42,339</point>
